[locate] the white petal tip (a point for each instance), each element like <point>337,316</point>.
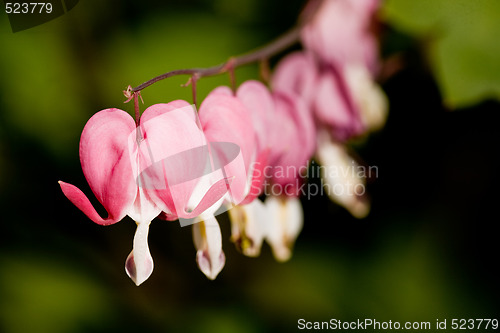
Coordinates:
<point>138,275</point>
<point>283,256</point>
<point>248,228</point>
<point>359,208</point>
<point>211,267</point>
<point>252,252</point>
<point>246,245</point>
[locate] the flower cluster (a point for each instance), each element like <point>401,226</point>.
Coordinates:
<point>334,76</point>
<point>174,163</point>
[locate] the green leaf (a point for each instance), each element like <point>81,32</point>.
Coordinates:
<point>464,51</point>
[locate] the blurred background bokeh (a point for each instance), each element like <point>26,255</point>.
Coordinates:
<point>428,250</point>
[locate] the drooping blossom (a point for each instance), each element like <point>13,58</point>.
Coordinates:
<point>343,109</point>
<point>290,139</point>
<point>341,31</point>
<point>346,102</point>
<point>285,141</point>
<point>293,143</point>
<point>334,76</point>
<point>339,38</point>
<point>249,219</point>
<point>144,171</point>
<point>224,119</point>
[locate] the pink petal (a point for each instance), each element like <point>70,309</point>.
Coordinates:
<point>297,74</point>
<point>258,177</point>
<point>225,119</point>
<point>294,138</point>
<point>224,90</point>
<point>335,106</point>
<point>157,110</point>
<point>283,136</point>
<point>216,192</point>
<point>292,142</point>
<point>171,155</point>
<point>303,118</point>
<point>340,33</point>
<point>106,165</point>
<point>76,196</point>
<point>260,106</point>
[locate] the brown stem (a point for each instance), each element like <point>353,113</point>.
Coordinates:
<point>265,70</point>
<point>137,111</point>
<point>194,78</point>
<point>281,43</point>
<point>232,75</point>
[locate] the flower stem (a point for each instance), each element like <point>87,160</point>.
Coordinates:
<point>280,44</point>
<point>137,110</point>
<point>194,78</point>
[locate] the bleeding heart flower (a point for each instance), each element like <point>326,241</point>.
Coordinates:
<point>260,105</point>
<point>292,141</point>
<point>346,99</point>
<point>325,92</point>
<point>282,125</point>
<point>142,171</point>
<point>292,145</point>
<point>224,118</point>
<point>340,32</point>
<point>246,218</point>
<point>346,103</point>
<point>297,73</point>
<point>225,123</point>
<point>335,75</point>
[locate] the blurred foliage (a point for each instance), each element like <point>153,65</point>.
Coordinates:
<point>41,99</point>
<point>41,295</point>
<point>461,41</point>
<point>427,251</point>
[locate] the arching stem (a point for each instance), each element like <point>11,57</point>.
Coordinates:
<point>280,44</point>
